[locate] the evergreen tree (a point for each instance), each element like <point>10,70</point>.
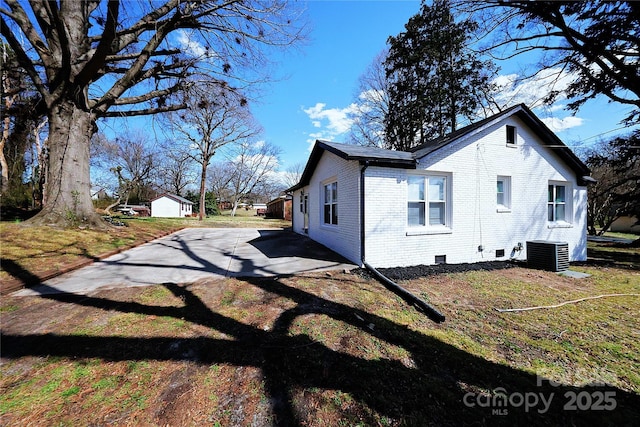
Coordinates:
<point>434,78</point>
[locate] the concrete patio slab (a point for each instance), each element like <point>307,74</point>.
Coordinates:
<point>197,253</point>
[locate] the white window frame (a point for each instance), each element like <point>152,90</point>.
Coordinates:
<point>303,202</point>
<point>505,206</point>
<point>445,197</point>
<point>331,203</point>
<point>553,204</point>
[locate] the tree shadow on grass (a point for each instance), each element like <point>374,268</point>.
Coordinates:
<point>443,386</point>
<point>619,259</point>
<point>19,272</point>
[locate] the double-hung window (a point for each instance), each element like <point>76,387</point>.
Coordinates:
<point>503,193</point>
<point>557,210</point>
<point>330,205</point>
<point>427,201</point>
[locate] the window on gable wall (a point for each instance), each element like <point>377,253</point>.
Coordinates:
<point>511,135</point>
<point>557,210</point>
<point>427,201</point>
<point>330,212</point>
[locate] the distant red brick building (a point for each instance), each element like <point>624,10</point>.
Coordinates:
<point>280,208</point>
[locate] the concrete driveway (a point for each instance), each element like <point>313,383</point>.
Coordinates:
<point>198,253</point>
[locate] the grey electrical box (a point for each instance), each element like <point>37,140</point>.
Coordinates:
<point>548,255</point>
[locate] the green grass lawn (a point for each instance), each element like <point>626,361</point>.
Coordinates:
<point>324,349</point>
<point>38,250</point>
<point>328,350</point>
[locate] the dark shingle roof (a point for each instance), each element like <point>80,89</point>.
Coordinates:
<point>174,197</point>
<point>372,154</point>
<point>408,159</point>
<point>364,155</point>
<point>435,144</point>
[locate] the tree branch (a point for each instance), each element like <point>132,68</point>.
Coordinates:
<point>104,47</point>
<point>24,60</point>
<point>144,112</point>
<point>147,96</point>
<point>20,17</point>
<point>129,56</point>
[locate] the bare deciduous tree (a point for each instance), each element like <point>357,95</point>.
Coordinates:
<point>175,173</point>
<point>593,44</point>
<point>372,105</point>
<point>110,58</point>
<point>132,160</point>
<point>216,117</point>
<point>18,123</point>
<point>292,175</point>
<point>616,166</point>
<point>251,164</point>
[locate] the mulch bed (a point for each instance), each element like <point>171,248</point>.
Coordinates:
<point>417,271</point>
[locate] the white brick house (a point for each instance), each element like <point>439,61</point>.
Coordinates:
<point>478,194</point>
<point>171,206</point>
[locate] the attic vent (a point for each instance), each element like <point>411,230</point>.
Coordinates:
<point>547,255</point>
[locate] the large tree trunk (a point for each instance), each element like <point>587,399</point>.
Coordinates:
<point>67,189</point>
<point>203,191</point>
<point>4,166</point>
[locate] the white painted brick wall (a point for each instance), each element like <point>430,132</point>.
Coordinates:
<point>345,237</point>
<point>474,167</point>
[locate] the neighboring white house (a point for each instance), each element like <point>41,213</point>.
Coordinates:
<point>478,194</point>
<point>171,206</point>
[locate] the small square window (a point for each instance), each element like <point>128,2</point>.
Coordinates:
<point>511,135</point>
<point>499,253</point>
<point>441,259</point>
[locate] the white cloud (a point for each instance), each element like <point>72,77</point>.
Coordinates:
<point>191,46</point>
<point>558,125</point>
<point>532,93</point>
<point>312,138</point>
<point>333,122</point>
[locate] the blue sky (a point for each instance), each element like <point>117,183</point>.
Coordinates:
<point>316,83</point>
<point>344,39</point>
<point>322,79</point>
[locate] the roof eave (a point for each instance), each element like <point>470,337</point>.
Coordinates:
<point>321,146</point>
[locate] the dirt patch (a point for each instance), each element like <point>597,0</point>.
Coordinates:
<point>175,401</point>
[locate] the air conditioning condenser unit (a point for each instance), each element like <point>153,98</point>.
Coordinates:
<point>548,255</point>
